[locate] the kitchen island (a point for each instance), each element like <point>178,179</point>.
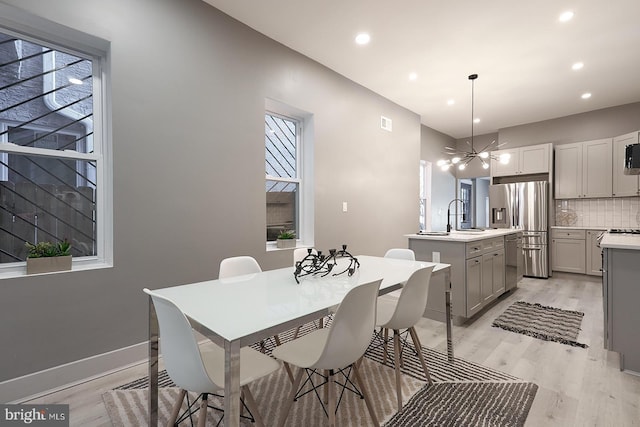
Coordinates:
<point>621,296</point>
<point>477,261</point>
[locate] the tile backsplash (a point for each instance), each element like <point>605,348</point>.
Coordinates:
<point>619,212</point>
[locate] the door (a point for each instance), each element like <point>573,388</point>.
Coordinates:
<point>474,283</point>
<point>596,168</point>
<point>568,171</point>
<point>467,205</point>
<point>532,209</point>
<point>498,273</point>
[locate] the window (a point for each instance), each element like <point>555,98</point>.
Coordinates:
<point>283,174</point>
<point>52,167</point>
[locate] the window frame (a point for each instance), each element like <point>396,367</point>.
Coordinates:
<point>304,170</point>
<point>31,28</point>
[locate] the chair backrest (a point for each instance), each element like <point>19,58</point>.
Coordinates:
<point>180,351</point>
<point>237,266</point>
<point>351,329</point>
<point>300,253</point>
<point>412,301</point>
<point>400,253</point>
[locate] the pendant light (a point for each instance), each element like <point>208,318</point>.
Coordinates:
<point>462,158</point>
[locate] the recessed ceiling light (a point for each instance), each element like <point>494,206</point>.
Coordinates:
<point>586,95</point>
<point>363,38</point>
<point>75,81</point>
<point>476,120</point>
<point>566,16</point>
<point>413,76</point>
<point>577,66</point>
<point>451,102</point>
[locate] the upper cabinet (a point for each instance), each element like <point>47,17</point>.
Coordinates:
<point>624,185</point>
<point>583,170</point>
<point>532,159</point>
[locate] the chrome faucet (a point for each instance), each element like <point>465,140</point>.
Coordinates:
<point>449,213</point>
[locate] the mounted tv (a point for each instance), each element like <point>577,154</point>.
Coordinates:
<point>632,159</point>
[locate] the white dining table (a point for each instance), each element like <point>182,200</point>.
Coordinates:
<point>243,310</point>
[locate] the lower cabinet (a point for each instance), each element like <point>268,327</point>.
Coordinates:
<point>485,276</point>
<point>474,285</point>
<point>576,251</point>
<point>594,253</point>
<point>568,250</point>
<point>477,271</point>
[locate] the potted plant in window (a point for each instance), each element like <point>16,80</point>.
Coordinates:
<point>45,257</point>
<point>286,239</point>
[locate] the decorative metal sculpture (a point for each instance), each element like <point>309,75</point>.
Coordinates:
<point>322,265</point>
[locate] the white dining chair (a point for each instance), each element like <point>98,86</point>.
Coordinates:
<point>402,315</point>
<point>300,253</point>
<point>334,350</point>
<point>242,265</point>
<point>202,371</point>
<point>401,253</point>
<point>238,266</point>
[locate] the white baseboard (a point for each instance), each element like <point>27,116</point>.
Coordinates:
<point>31,386</point>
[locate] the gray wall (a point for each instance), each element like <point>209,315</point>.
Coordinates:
<point>443,184</point>
<point>604,123</point>
<point>188,95</point>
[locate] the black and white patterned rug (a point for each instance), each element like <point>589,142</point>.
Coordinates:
<point>463,394</point>
<point>542,322</point>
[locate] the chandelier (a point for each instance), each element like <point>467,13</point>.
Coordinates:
<point>462,158</point>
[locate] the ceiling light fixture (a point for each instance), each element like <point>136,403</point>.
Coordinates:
<point>363,38</point>
<point>462,158</point>
<point>586,95</point>
<point>577,66</point>
<point>566,16</point>
<point>413,76</point>
<point>451,102</point>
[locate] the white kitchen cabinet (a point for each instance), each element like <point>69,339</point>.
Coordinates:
<point>583,170</point>
<point>568,250</point>
<point>474,285</point>
<point>594,253</point>
<point>477,270</point>
<point>624,185</point>
<point>527,160</point>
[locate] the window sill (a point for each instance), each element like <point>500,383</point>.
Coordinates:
<point>272,246</point>
<point>19,269</point>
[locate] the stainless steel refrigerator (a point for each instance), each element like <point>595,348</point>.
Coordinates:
<point>524,206</point>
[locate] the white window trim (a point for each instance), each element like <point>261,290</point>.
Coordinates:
<point>304,166</point>
<point>27,26</point>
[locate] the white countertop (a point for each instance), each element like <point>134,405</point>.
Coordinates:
<point>582,227</point>
<point>620,241</point>
<point>465,236</point>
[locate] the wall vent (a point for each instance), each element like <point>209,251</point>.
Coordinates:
<point>385,123</point>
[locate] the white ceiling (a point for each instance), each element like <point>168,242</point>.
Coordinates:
<point>519,49</point>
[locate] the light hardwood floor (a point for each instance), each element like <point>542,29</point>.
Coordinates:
<point>577,387</point>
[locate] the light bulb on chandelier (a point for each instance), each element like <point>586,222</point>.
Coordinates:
<point>462,158</point>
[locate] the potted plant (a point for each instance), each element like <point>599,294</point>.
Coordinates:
<point>44,257</point>
<point>286,239</point>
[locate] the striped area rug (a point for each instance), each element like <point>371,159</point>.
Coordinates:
<point>463,394</point>
<point>542,322</point>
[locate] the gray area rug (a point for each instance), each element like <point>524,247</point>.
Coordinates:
<point>542,322</point>
<point>463,394</point>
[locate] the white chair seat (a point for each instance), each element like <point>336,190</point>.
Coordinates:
<point>201,369</point>
<point>253,364</point>
<point>305,350</point>
<point>334,348</point>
